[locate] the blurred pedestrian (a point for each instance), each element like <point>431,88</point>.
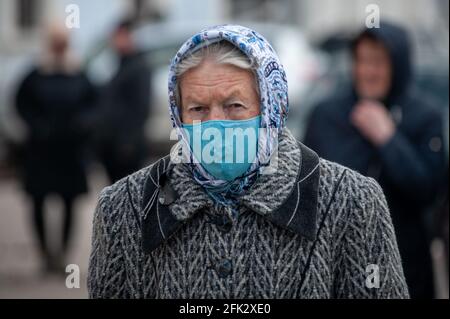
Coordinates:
<point>124,108</point>
<point>54,100</point>
<point>383,129</point>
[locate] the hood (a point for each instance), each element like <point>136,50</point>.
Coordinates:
<point>397,42</point>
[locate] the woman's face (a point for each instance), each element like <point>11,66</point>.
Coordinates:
<point>213,91</point>
<point>372,71</point>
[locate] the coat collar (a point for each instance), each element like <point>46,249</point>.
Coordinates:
<point>288,196</point>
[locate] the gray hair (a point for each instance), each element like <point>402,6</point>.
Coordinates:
<point>221,52</point>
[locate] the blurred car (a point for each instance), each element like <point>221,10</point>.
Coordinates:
<point>160,42</point>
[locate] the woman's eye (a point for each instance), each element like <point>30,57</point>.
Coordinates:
<point>236,105</point>
<point>197,109</point>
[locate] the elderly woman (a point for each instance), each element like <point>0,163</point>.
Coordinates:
<point>263,218</point>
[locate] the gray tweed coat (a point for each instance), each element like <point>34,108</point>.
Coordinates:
<point>312,229</point>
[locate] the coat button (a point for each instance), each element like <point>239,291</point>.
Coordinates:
<point>225,224</point>
<point>224,269</point>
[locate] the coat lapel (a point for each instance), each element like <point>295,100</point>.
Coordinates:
<point>298,212</point>
<point>158,223</point>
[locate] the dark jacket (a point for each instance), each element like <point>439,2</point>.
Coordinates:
<point>301,232</point>
<point>409,167</point>
<point>55,107</point>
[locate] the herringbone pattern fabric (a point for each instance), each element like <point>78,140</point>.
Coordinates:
<point>267,261</point>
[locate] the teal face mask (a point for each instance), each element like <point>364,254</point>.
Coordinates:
<point>225,148</point>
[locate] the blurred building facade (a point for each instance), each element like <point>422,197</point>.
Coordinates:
<point>20,20</point>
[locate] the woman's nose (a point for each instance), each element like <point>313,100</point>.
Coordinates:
<point>217,113</point>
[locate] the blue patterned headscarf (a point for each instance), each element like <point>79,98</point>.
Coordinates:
<point>273,103</point>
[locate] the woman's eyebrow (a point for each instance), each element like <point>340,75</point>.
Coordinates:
<point>192,98</point>
<point>233,96</point>
<point>233,100</point>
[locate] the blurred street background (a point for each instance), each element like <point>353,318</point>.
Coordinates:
<point>312,38</point>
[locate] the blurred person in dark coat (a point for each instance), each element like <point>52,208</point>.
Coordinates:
<point>125,107</point>
<point>55,100</point>
<point>383,129</point>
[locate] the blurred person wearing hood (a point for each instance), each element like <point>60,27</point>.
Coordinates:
<point>240,208</point>
<point>55,101</point>
<point>124,108</point>
<point>383,129</point>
